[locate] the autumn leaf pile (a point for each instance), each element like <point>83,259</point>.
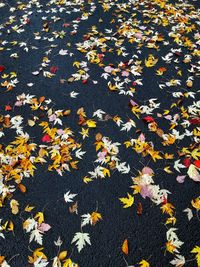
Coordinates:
<point>99,133</point>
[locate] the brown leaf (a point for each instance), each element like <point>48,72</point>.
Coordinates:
<point>74,207</point>
<point>98,137</point>
<point>139,208</point>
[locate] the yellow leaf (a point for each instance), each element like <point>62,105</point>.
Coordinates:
<point>98,145</point>
<point>196,153</point>
<point>13,74</point>
<point>167,208</point>
<point>106,172</point>
<point>91,123</point>
<point>136,110</point>
<point>154,154</point>
<point>40,217</point>
<point>84,132</point>
<point>112,87</point>
<point>151,61</point>
<point>38,253</point>
<point>10,226</point>
<point>127,201</point>
<point>4,76</point>
<point>68,263</point>
<point>167,169</point>
<point>14,206</point>
<point>144,263</point>
<point>95,217</point>
<point>168,156</point>
<point>77,64</point>
<point>28,208</point>
<point>86,179</point>
<point>74,164</point>
<point>170,247</point>
<point>171,220</point>
<point>62,255</point>
<point>197,250</point>
<point>196,203</point>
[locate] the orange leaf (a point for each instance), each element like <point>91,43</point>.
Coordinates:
<point>22,188</point>
<point>125,247</point>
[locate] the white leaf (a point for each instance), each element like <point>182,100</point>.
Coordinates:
<point>37,236</point>
<point>79,153</point>
<point>189,213</point>
<point>30,84</point>
<point>5,264</point>
<point>178,261</point>
<point>81,239</point>
<point>177,165</point>
<point>35,72</point>
<point>58,242</point>
<point>69,197</point>
<point>63,52</point>
<point>73,94</point>
<point>85,219</point>
<point>41,262</point>
<point>193,173</point>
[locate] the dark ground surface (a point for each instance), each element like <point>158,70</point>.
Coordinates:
<point>146,233</point>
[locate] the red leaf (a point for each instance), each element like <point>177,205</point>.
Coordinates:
<point>46,138</point>
<point>53,69</point>
<point>186,162</point>
<point>195,121</point>
<point>148,119</point>
<point>164,200</point>
<point>197,163</point>
<point>2,68</point>
<point>8,108</point>
<point>84,81</point>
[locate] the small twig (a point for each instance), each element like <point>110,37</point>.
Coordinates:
<point>13,257</point>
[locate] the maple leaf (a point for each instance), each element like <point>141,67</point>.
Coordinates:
<point>154,154</point>
<point>177,165</point>
<point>167,208</point>
<point>85,219</point>
<point>69,197</point>
<point>127,201</point>
<point>106,172</point>
<point>196,249</point>
<point>84,132</point>
<point>95,217</point>
<point>144,263</point>
<point>178,261</point>
<point>81,239</point>
<point>37,236</point>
